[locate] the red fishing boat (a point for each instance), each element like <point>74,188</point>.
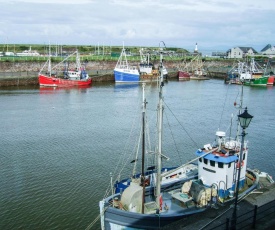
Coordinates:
<point>194,69</point>
<point>56,77</point>
<point>183,75</point>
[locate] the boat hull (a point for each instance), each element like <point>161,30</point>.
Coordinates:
<point>59,82</point>
<point>114,218</point>
<point>194,77</point>
<point>126,75</point>
<point>182,75</point>
<point>262,81</point>
<point>271,80</point>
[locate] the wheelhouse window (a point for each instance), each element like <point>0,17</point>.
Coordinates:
<point>205,161</point>
<point>212,163</point>
<point>229,165</point>
<point>220,165</point>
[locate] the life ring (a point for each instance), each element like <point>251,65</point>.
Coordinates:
<point>238,164</point>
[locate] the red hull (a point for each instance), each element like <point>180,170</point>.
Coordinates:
<point>59,82</point>
<point>183,75</point>
<point>271,80</point>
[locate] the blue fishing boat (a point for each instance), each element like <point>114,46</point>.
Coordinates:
<point>219,165</point>
<point>124,72</point>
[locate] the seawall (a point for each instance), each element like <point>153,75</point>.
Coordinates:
<point>26,73</point>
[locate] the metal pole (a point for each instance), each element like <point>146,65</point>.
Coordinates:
<point>234,214</point>
<point>254,217</point>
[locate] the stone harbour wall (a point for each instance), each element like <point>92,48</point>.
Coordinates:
<point>26,73</point>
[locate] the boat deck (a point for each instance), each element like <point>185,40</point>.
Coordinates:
<point>175,201</point>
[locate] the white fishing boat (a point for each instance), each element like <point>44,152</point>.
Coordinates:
<point>218,166</point>
<point>147,69</point>
<point>145,65</point>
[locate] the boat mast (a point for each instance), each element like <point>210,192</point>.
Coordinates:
<point>160,120</point>
<point>123,57</point>
<point>49,65</point>
<point>143,149</point>
<point>77,61</point>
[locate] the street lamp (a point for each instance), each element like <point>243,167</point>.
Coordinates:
<point>244,120</point>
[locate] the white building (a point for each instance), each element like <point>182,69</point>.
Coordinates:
<point>268,50</point>
<point>241,52</point>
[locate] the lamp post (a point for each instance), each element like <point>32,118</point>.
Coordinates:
<point>244,120</point>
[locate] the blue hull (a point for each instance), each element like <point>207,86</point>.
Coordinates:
<point>126,77</point>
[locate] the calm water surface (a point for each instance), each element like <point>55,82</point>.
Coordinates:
<point>58,146</point>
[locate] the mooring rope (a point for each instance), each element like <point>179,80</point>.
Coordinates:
<point>95,220</point>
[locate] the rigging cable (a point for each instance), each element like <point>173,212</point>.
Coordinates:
<point>182,126</point>
<point>123,156</point>
<point>224,105</point>
<point>177,150</point>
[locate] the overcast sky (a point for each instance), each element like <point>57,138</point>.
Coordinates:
<point>216,25</point>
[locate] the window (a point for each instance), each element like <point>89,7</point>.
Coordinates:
<point>220,165</point>
<point>212,163</point>
<point>200,159</point>
<point>229,165</point>
<point>205,161</point>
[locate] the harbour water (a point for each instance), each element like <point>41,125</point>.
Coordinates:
<point>59,146</point>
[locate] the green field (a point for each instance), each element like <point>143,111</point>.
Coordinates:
<point>93,53</point>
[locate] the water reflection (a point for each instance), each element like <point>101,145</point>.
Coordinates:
<point>125,86</point>
<point>51,90</point>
